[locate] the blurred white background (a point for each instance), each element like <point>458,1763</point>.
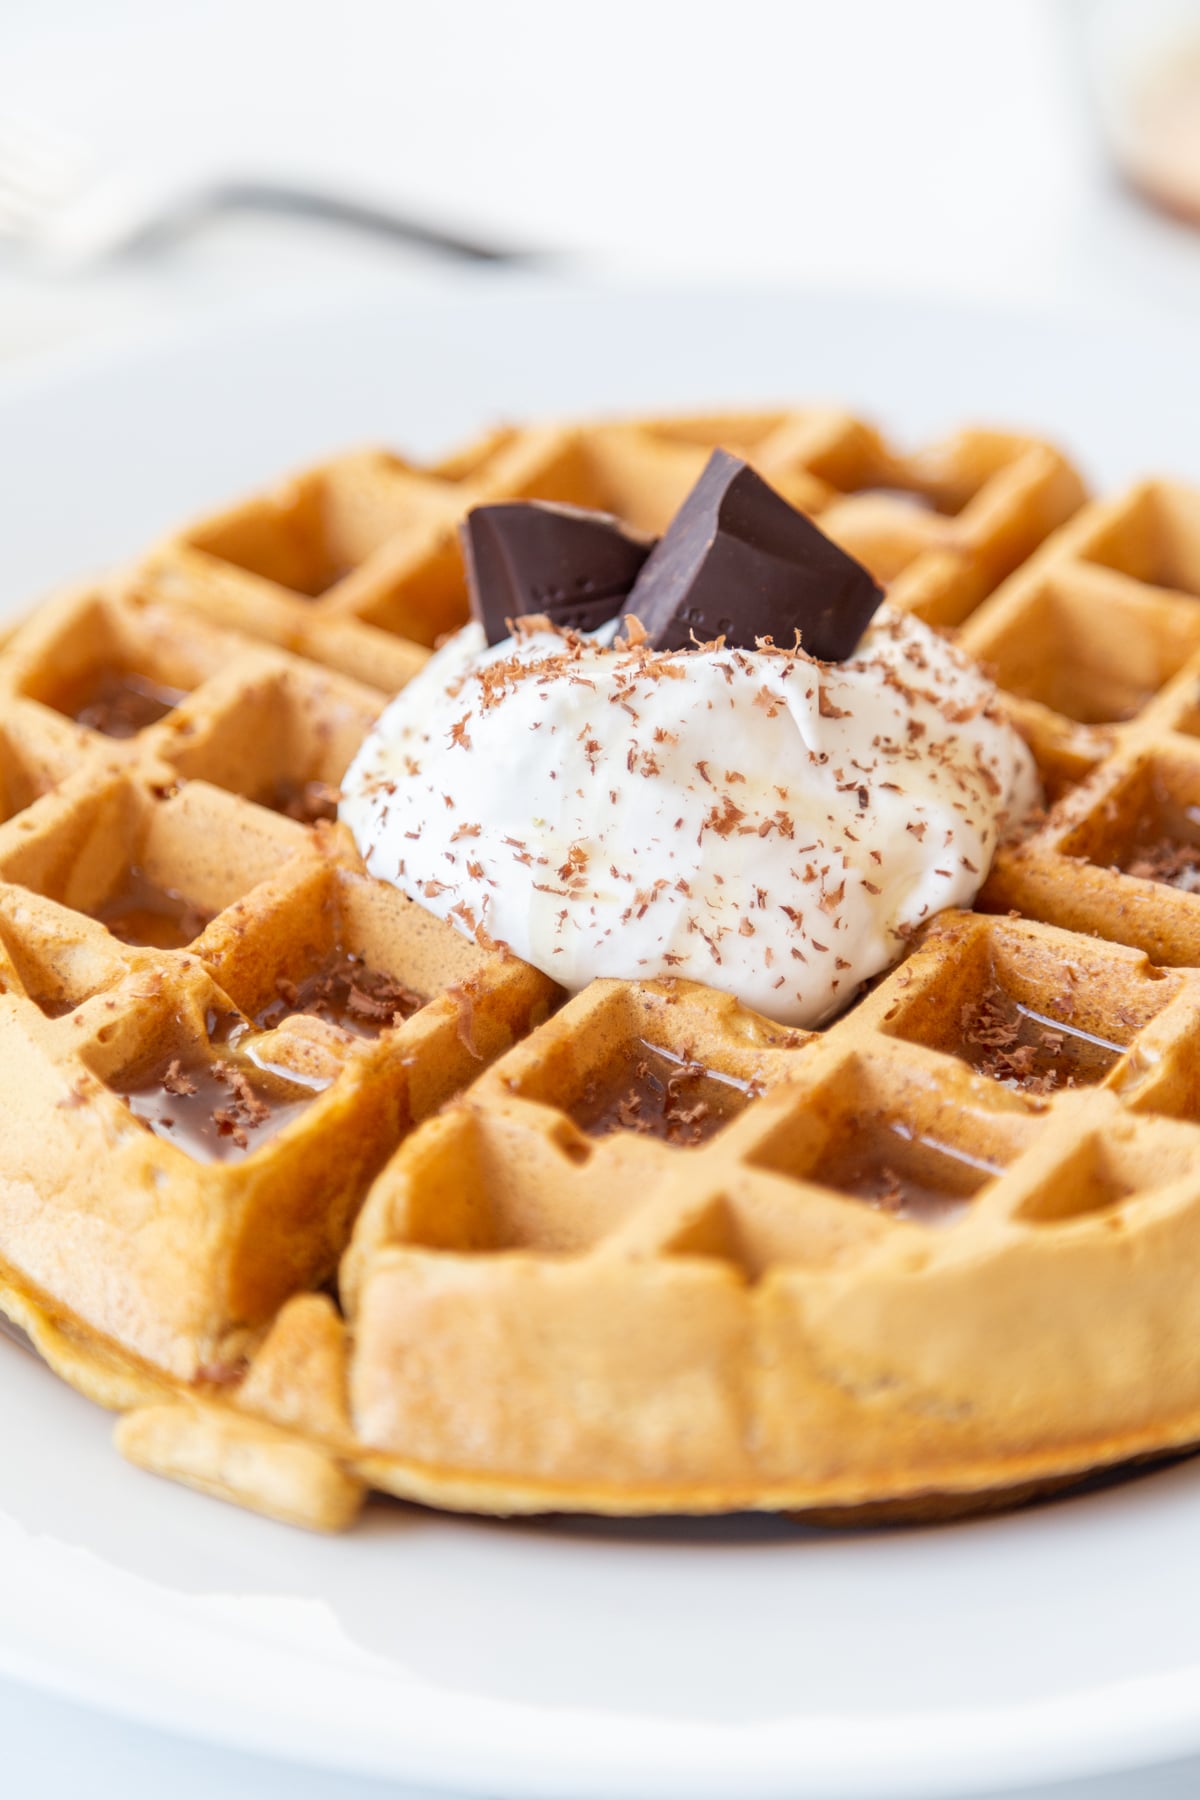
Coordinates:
<point>917,147</point>
<point>930,147</point>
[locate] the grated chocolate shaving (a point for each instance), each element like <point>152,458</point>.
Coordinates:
<point>344,991</point>
<point>463,994</point>
<point>175,1081</point>
<point>683,1107</point>
<point>1025,1053</point>
<point>1168,860</point>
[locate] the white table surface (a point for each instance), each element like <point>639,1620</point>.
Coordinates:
<point>926,148</point>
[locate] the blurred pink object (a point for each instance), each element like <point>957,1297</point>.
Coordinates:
<point>1145,58</point>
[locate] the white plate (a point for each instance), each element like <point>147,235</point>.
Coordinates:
<point>580,1658</point>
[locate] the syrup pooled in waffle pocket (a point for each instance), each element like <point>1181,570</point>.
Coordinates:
<point>323,1191</point>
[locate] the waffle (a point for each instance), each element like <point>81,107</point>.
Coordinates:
<point>421,1225</point>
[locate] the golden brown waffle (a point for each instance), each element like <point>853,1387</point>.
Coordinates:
<point>355,564</point>
<point>176,838</point>
<point>1097,641</point>
<point>656,1253</point>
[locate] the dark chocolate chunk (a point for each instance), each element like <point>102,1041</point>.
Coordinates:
<point>535,556</point>
<point>738,562</point>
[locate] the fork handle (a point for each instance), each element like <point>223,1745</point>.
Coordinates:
<point>304,200</point>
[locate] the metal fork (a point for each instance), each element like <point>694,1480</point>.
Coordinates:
<point>53,201</point>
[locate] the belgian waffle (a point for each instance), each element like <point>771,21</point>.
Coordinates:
<point>322,1196</point>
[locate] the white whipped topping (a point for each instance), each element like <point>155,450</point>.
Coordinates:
<point>767,824</point>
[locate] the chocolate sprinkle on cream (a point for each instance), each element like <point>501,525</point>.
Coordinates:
<point>621,810</point>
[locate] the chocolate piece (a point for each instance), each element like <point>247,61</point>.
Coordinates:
<point>738,562</point>
<point>535,556</point>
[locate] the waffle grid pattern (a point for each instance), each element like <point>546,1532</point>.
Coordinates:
<point>1097,641</point>
<point>655,1253</point>
<point>356,564</point>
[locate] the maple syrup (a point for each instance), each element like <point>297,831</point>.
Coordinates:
<point>903,1174</point>
<point>308,802</point>
<point>219,1107</point>
<point>142,913</point>
<point>1023,1048</point>
<point>661,1094</point>
<point>120,702</point>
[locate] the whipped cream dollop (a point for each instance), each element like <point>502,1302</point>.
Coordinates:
<point>768,824</point>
